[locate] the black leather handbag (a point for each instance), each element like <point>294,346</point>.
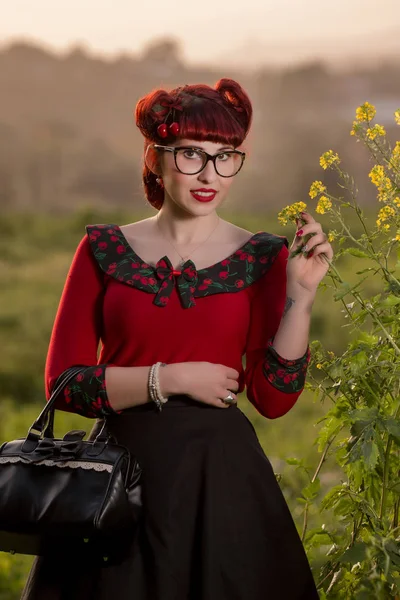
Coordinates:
<point>68,496</point>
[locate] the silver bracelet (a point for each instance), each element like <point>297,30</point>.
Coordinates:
<point>154,386</point>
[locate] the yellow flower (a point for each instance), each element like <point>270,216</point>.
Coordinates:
<point>291,212</point>
<point>332,235</point>
<point>377,174</point>
<point>319,366</point>
<point>386,212</point>
<point>397,238</point>
<point>328,159</point>
<point>395,158</point>
<point>396,201</point>
<point>317,187</point>
<point>366,112</point>
<point>323,205</point>
<point>397,116</point>
<point>356,128</point>
<point>385,190</point>
<point>375,131</point>
<point>384,215</point>
<point>382,182</point>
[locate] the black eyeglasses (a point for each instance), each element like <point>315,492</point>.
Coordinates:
<point>190,160</point>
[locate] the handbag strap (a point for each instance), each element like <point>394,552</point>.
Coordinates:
<point>45,422</point>
<point>61,381</point>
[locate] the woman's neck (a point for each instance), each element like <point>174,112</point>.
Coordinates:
<point>186,230</point>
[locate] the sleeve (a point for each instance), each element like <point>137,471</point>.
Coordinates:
<point>273,383</point>
<point>75,338</point>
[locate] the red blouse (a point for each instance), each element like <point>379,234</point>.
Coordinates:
<point>141,314</point>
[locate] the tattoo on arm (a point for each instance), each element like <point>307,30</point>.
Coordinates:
<point>288,305</point>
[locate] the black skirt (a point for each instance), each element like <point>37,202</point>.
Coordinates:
<point>215,525</point>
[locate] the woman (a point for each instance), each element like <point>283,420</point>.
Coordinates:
<point>177,300</point>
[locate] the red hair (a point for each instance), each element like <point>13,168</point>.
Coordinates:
<point>220,114</point>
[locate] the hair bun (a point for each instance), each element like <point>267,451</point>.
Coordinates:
<point>235,97</point>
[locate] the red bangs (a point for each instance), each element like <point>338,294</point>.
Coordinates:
<point>212,122</point>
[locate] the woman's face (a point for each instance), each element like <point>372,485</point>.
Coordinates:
<point>197,194</point>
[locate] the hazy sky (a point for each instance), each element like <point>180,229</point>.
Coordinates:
<point>207,28</point>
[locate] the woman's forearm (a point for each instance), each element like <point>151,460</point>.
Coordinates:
<point>128,386</point>
<point>291,338</point>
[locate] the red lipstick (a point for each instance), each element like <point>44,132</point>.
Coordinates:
<point>204,194</point>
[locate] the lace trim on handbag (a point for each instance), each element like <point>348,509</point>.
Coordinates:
<point>72,464</point>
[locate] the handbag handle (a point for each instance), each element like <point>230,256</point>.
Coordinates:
<point>58,386</point>
<point>45,421</point>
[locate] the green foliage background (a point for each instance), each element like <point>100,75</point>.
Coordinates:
<point>35,254</point>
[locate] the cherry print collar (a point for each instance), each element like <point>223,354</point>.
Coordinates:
<point>118,259</point>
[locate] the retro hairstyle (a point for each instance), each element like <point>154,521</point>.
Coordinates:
<point>220,114</point>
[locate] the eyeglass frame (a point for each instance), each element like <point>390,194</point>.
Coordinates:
<point>209,157</point>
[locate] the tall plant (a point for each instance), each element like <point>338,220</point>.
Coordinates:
<point>361,429</point>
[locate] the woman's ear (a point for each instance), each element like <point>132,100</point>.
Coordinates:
<point>152,160</point>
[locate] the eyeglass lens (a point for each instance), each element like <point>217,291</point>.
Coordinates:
<point>190,162</point>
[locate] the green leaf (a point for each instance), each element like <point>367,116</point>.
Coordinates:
<point>390,300</point>
<point>333,496</point>
<point>318,537</point>
<point>355,554</point>
<point>358,362</point>
<point>336,370</point>
<point>358,427</point>
<point>364,271</point>
<point>344,507</point>
<point>346,288</point>
<point>395,487</point>
<point>343,290</point>
<point>367,338</point>
<point>393,427</point>
<point>311,490</point>
<point>364,414</point>
<point>370,453</point>
<point>294,461</point>
<point>356,252</point>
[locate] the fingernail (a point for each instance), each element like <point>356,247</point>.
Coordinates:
<point>310,254</point>
<point>300,232</point>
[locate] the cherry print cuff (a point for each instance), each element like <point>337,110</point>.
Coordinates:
<point>87,393</point>
<point>285,375</point>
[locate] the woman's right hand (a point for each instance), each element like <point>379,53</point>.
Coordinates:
<point>203,381</point>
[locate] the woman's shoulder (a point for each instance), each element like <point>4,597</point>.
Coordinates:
<point>261,239</point>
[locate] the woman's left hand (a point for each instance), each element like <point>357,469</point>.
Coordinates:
<point>307,269</point>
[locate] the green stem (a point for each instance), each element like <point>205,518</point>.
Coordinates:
<point>357,209</point>
<point>385,477</point>
<point>386,469</point>
<point>364,306</point>
<point>378,321</point>
<point>382,153</point>
<point>318,469</point>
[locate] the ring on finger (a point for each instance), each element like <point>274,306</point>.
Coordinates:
<point>304,248</point>
<point>229,399</point>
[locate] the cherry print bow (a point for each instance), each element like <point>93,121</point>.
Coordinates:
<point>186,281</point>
<point>173,104</point>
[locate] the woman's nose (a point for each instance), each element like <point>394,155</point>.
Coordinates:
<point>208,173</point>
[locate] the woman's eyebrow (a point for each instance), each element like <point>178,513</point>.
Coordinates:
<point>219,149</point>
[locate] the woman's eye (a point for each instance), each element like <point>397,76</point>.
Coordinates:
<point>224,156</point>
<point>191,154</point>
